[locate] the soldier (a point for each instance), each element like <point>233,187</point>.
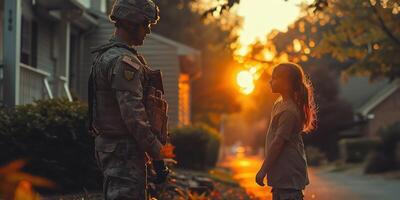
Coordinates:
<point>123,104</point>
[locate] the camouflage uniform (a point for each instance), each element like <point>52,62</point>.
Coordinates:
<point>119,119</point>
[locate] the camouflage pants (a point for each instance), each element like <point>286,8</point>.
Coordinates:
<point>123,167</point>
<point>286,194</point>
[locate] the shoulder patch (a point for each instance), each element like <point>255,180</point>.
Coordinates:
<point>128,75</point>
<point>128,60</point>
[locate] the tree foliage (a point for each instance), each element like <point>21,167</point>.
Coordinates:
<point>316,5</point>
<point>365,33</point>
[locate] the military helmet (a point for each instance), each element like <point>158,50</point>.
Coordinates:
<point>136,11</point>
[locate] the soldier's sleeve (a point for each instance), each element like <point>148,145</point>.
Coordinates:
<point>127,82</point>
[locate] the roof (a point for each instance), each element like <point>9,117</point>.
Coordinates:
<point>363,94</point>
<point>379,97</point>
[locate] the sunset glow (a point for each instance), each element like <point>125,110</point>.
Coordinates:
<point>261,17</point>
<point>245,81</point>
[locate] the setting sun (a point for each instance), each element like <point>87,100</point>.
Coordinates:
<point>245,81</point>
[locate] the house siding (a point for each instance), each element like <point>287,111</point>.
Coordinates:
<point>1,35</point>
<point>385,114</point>
<point>165,58</point>
<point>44,48</point>
<point>1,50</point>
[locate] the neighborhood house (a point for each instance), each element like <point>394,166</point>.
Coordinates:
<point>45,53</point>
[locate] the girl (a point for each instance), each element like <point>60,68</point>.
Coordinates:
<point>293,113</point>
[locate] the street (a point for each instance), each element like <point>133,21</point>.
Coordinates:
<point>323,186</point>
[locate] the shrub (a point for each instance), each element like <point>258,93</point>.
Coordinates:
<point>52,136</point>
<point>377,162</point>
<point>384,157</point>
<point>355,150</point>
<point>196,147</point>
<point>390,136</point>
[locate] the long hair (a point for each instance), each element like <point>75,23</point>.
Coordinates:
<point>303,95</point>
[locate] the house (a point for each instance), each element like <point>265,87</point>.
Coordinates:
<point>45,53</point>
<point>376,104</point>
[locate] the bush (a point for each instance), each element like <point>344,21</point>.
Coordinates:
<point>355,150</point>
<point>196,147</point>
<point>52,136</point>
<point>377,162</point>
<point>390,136</point>
<point>315,157</point>
<point>384,157</point>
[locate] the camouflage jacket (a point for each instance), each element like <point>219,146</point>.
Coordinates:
<point>118,110</point>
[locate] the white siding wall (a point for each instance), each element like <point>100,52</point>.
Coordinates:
<point>164,57</point>
<point>85,3</point>
<point>100,5</point>
<point>1,49</point>
<point>44,47</point>
<point>159,56</point>
<point>1,31</point>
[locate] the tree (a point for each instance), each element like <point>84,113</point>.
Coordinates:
<point>317,5</point>
<point>366,33</point>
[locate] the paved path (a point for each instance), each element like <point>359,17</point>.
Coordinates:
<point>332,186</point>
<point>324,185</point>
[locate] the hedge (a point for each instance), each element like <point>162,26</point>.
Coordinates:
<point>355,150</point>
<point>196,147</point>
<point>51,135</point>
<point>384,157</point>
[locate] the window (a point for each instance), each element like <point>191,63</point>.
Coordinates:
<point>28,42</point>
<point>184,99</point>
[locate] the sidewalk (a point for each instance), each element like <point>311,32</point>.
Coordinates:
<point>327,185</point>
<point>324,183</point>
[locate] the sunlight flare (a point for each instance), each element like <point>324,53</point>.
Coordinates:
<point>245,81</point>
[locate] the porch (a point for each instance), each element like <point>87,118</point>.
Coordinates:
<point>38,36</point>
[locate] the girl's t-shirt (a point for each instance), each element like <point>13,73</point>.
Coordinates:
<point>290,169</point>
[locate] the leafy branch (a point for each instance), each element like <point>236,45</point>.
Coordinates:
<point>385,29</point>
<point>318,5</point>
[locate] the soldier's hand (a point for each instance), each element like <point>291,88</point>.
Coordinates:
<point>161,170</point>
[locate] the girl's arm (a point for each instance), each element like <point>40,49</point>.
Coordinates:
<point>284,130</point>
<point>272,154</point>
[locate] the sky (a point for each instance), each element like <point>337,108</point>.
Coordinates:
<point>262,16</point>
